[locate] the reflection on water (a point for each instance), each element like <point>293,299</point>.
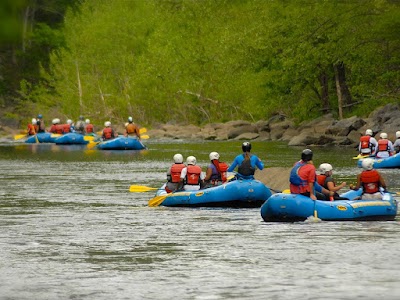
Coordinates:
<point>70,229</point>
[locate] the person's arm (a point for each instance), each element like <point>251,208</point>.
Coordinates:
<point>358,184</point>
<point>233,165</point>
<point>208,174</point>
<point>259,163</point>
<point>333,188</point>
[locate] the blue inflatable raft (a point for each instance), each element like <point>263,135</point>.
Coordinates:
<point>121,143</point>
<point>71,138</point>
<point>293,207</point>
<point>240,193</point>
<point>381,163</point>
<point>43,137</point>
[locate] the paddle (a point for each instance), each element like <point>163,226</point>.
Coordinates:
<point>89,138</point>
<point>144,137</point>
<point>20,136</point>
<point>55,135</point>
<point>92,144</point>
<point>156,201</point>
<point>362,156</point>
<point>140,188</point>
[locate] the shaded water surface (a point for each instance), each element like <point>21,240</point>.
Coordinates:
<point>70,229</point>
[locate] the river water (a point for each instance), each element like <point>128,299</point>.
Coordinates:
<point>70,229</point>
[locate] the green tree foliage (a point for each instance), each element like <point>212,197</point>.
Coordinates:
<point>190,61</point>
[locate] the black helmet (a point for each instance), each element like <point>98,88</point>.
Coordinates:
<point>81,117</point>
<point>246,147</point>
<point>306,155</point>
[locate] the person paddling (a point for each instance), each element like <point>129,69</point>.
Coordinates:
<point>370,180</point>
<point>303,178</point>
<point>246,162</point>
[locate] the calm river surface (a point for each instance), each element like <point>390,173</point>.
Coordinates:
<point>70,229</point>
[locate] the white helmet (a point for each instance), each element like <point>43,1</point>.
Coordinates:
<point>323,168</point>
<point>368,132</point>
<point>214,155</point>
<point>178,158</point>
<point>87,121</point>
<point>54,121</point>
<point>69,121</point>
<point>383,135</point>
<point>130,119</point>
<point>107,123</point>
<point>34,122</point>
<point>57,121</point>
<point>397,134</point>
<point>367,163</point>
<point>191,160</point>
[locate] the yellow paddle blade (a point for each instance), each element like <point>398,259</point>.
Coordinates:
<point>36,139</point>
<point>142,130</point>
<point>92,144</point>
<point>20,136</point>
<point>140,188</point>
<point>156,201</point>
<point>56,135</point>
<point>287,191</point>
<point>144,137</point>
<point>99,132</point>
<point>89,138</point>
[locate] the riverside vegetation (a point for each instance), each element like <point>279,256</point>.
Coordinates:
<point>197,62</point>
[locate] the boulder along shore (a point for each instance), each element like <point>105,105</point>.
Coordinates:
<point>324,131</point>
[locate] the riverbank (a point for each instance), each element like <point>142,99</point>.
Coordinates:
<point>324,131</point>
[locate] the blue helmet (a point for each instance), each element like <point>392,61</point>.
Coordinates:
<point>40,116</point>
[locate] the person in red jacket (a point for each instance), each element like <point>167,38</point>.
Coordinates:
<point>174,173</point>
<point>370,180</point>
<point>89,128</point>
<point>216,173</point>
<point>192,177</point>
<point>108,132</point>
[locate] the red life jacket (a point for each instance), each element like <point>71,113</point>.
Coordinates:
<point>108,133</point>
<point>223,169</point>
<point>383,145</point>
<point>89,128</point>
<point>370,181</point>
<point>365,144</point>
<point>59,128</point>
<point>66,128</point>
<point>321,179</point>
<point>176,172</point>
<point>193,175</point>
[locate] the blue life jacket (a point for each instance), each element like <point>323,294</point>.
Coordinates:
<point>294,175</point>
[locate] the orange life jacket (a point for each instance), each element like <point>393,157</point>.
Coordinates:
<point>321,179</point>
<point>365,144</point>
<point>89,128</point>
<point>108,133</point>
<point>32,129</point>
<point>132,128</point>
<point>176,172</point>
<point>193,175</point>
<point>370,181</point>
<point>383,145</point>
<point>59,128</point>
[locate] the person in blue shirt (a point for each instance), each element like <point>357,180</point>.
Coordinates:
<point>246,163</point>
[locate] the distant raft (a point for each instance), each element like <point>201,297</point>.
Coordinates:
<point>43,137</point>
<point>121,143</point>
<point>294,207</point>
<point>241,193</point>
<point>381,163</point>
<point>71,138</point>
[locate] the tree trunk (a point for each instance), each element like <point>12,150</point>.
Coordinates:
<point>342,90</point>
